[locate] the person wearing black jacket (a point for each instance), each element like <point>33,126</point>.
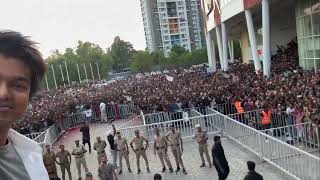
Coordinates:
<point>252,174</point>
<point>113,146</point>
<point>219,159</point>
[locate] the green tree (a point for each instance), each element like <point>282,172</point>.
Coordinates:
<point>121,54</point>
<point>143,61</point>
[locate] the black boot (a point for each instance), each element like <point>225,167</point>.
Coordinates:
<point>178,169</point>
<point>163,169</point>
<point>184,171</point>
<point>148,170</point>
<point>171,170</point>
<point>139,171</point>
<point>120,172</point>
<point>203,165</point>
<point>129,169</point>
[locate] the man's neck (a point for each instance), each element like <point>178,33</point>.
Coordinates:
<point>4,130</point>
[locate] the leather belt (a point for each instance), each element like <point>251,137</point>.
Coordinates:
<point>160,147</point>
<point>140,149</point>
<point>80,157</point>
<point>122,149</point>
<point>101,152</point>
<point>175,145</point>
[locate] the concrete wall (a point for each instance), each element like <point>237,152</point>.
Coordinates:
<point>230,8</point>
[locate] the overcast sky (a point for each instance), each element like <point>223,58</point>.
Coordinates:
<point>58,24</point>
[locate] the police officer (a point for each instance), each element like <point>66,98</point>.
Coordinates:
<point>140,150</point>
<point>175,141</point>
<point>49,159</point>
<point>78,152</point>
<point>123,151</point>
<point>161,148</point>
<point>99,146</point>
<point>202,138</point>
<point>64,162</point>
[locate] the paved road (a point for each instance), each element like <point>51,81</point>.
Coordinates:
<point>236,156</point>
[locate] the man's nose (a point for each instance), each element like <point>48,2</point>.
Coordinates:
<point>4,91</point>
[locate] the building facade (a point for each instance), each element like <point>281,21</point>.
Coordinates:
<point>169,23</point>
<point>261,26</point>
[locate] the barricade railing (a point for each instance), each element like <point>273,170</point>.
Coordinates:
<point>137,121</point>
<point>34,135</point>
<point>305,136</point>
<point>226,108</point>
<point>253,119</point>
<point>40,138</point>
<point>186,127</point>
<point>295,162</point>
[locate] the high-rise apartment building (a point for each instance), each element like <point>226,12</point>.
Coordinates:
<point>169,23</point>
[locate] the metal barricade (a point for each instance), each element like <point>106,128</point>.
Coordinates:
<point>226,108</point>
<point>137,121</point>
<point>40,138</point>
<point>253,119</point>
<point>293,161</point>
<point>33,135</point>
<point>185,126</point>
<point>304,136</point>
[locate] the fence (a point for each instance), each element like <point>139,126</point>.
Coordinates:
<point>305,136</point>
<point>293,161</point>
<point>253,119</point>
<point>137,121</point>
<point>34,135</point>
<point>185,126</point>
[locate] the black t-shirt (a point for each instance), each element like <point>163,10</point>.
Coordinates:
<point>85,132</point>
<point>110,138</point>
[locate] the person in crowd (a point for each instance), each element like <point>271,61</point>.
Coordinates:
<point>89,176</point>
<point>140,150</point>
<point>219,159</point>
<point>21,71</point>
<point>64,162</point>
<point>252,174</point>
<point>123,151</point>
<point>266,118</point>
<point>175,140</point>
<point>106,171</point>
<point>49,159</point>
<point>100,146</point>
<point>103,112</point>
<point>85,130</point>
<point>113,148</point>
<point>79,153</point>
<point>202,140</point>
<point>161,148</point>
<point>157,177</point>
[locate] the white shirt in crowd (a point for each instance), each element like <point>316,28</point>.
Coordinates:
<point>88,113</point>
<point>290,110</point>
<point>102,107</point>
<point>31,155</point>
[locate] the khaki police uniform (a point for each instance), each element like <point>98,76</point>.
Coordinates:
<point>140,151</point>
<point>175,147</point>
<point>202,138</point>
<point>123,151</point>
<point>80,159</point>
<point>64,163</point>
<point>161,148</point>
<point>99,147</point>
<point>49,160</point>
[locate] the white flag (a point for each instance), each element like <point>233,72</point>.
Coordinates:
<point>169,78</point>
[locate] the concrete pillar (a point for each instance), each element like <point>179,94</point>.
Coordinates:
<point>218,34</point>
<point>231,50</point>
<point>210,50</point>
<point>253,41</point>
<point>266,38</point>
<point>214,60</point>
<point>224,46</point>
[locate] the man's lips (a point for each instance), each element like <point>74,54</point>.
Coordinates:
<point>5,108</point>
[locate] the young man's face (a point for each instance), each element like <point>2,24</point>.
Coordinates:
<point>15,81</point>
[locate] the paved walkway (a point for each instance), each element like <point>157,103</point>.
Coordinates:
<point>236,156</point>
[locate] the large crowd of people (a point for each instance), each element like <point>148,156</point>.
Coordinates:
<point>287,86</point>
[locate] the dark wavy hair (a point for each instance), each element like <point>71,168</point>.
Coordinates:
<point>15,45</point>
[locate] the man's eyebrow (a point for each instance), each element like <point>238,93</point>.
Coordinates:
<point>22,79</point>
